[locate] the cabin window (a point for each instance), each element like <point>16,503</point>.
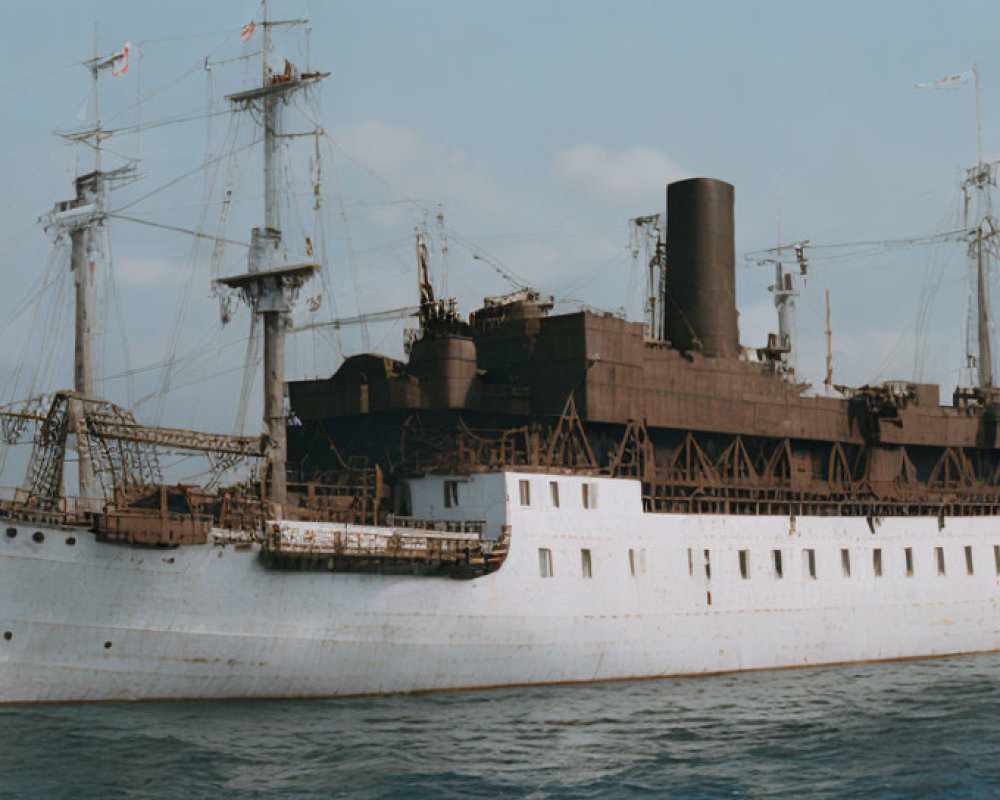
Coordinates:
<point>524,490</point>
<point>996,557</point>
<point>809,562</point>
<point>589,495</point>
<point>690,562</point>
<point>554,493</point>
<point>451,494</point>
<point>631,561</point>
<point>968,560</point>
<point>744,564</point>
<point>939,552</point>
<point>779,569</point>
<point>544,562</point>
<point>845,563</point>
<point>908,552</point>
<point>708,565</point>
<point>585,563</point>
<point>877,562</point>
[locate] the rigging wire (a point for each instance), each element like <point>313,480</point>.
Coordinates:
<point>319,236</point>
<point>181,310</point>
<point>57,259</point>
<point>194,115</point>
<point>112,281</point>
<point>182,176</point>
<point>48,354</point>
<point>250,357</point>
<point>481,254</point>
<point>177,229</point>
<point>349,252</point>
<point>180,363</point>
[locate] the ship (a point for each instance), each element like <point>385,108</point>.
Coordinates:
<point>530,497</point>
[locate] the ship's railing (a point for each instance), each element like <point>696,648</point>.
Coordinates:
<point>372,542</point>
<point>674,499</point>
<point>474,526</point>
<point>74,512</point>
<point>395,550</point>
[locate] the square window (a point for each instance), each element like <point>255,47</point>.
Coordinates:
<point>585,563</point>
<point>939,552</point>
<point>779,569</point>
<point>908,552</point>
<point>554,493</point>
<point>544,562</point>
<point>845,563</point>
<point>809,562</point>
<point>744,564</point>
<point>877,562</point>
<point>451,494</point>
<point>524,489</point>
<point>968,560</point>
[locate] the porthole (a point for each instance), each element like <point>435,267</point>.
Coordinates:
<point>71,540</point>
<point>107,645</point>
<point>11,533</point>
<point>38,536</point>
<point>7,636</point>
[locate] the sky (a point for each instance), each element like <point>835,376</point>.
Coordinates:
<point>536,129</point>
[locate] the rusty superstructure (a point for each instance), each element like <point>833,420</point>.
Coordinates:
<point>706,425</point>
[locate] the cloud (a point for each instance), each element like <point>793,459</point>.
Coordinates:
<point>631,175</point>
<point>428,173</point>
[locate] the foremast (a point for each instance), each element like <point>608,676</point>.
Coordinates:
<point>81,218</point>
<point>270,284</point>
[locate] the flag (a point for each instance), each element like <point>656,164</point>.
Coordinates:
<point>247,32</point>
<point>947,82</point>
<point>119,61</point>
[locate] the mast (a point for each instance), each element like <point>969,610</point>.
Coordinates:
<point>270,285</point>
<point>80,218</point>
<point>828,380</point>
<point>983,316</point>
<point>784,303</point>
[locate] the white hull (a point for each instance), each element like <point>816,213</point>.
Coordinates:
<point>212,622</point>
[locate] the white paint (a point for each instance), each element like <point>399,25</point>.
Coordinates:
<point>211,621</point>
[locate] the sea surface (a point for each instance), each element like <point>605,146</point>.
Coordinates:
<point>918,729</point>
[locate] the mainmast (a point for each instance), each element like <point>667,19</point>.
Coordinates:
<point>270,285</point>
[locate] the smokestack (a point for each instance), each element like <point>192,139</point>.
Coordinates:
<point>699,303</point>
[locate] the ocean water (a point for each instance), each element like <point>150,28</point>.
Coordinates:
<point>919,729</point>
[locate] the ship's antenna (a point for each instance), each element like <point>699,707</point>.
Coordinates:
<point>828,381</point>
<point>270,285</point>
<point>979,125</point>
<point>443,244</point>
<point>97,116</point>
<point>777,203</point>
